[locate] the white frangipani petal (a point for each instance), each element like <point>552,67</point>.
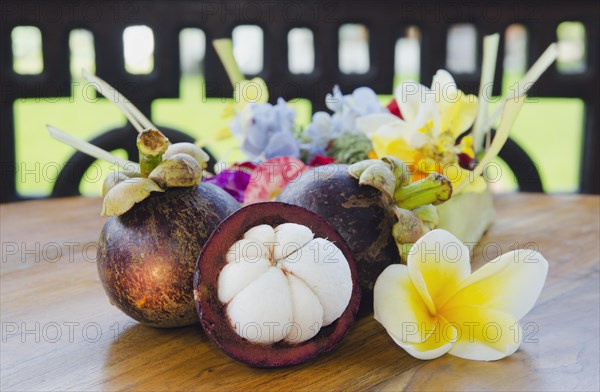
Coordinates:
<point>398,306</point>
<point>443,83</point>
<point>485,334</point>
<point>417,140</point>
<point>428,114</point>
<point>434,347</point>
<point>372,122</point>
<point>511,283</point>
<point>410,96</point>
<point>395,129</point>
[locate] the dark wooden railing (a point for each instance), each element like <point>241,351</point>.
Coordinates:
<point>386,21</point>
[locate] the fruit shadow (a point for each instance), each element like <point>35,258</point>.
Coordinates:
<point>141,353</point>
<point>146,358</point>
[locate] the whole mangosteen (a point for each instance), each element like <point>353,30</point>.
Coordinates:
<point>160,219</point>
<point>147,256</point>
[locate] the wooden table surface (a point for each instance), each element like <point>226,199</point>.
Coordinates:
<point>59,331</point>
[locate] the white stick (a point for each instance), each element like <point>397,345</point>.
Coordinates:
<point>486,84</point>
<point>224,49</point>
<point>511,111</point>
<point>91,150</point>
<point>532,75</point>
<point>137,118</point>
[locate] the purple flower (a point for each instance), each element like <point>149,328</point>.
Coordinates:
<point>233,182</point>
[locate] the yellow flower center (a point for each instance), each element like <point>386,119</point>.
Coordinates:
<point>440,152</point>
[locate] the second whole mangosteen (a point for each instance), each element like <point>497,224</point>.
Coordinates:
<point>374,207</point>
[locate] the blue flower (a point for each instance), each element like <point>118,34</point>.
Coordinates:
<point>267,130</point>
<point>319,132</point>
<point>325,127</point>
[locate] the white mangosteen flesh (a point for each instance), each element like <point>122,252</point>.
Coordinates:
<point>282,284</point>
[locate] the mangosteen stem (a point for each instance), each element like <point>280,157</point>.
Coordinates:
<point>151,144</point>
<point>434,189</point>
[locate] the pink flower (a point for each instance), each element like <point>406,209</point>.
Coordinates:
<point>270,177</point>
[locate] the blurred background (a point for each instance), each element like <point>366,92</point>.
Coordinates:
<point>550,130</point>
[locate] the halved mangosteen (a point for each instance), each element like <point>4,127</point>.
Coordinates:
<point>276,285</point>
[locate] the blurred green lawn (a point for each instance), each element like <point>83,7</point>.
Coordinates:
<point>549,129</point>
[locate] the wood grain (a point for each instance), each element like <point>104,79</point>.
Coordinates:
<point>60,333</point>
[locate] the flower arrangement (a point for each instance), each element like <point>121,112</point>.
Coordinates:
<point>268,136</point>
<point>386,197</point>
<point>437,129</point>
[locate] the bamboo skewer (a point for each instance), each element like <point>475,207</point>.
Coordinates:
<point>486,84</point>
<point>531,76</point>
<point>91,150</point>
<point>137,118</point>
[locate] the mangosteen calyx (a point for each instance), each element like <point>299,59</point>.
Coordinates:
<point>412,202</point>
<point>162,166</point>
<point>125,193</point>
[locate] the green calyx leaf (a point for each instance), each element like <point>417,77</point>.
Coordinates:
<point>399,168</point>
<point>409,227</point>
<point>379,176</point>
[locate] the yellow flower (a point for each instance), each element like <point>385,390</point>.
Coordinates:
<point>425,138</point>
<point>249,91</point>
<point>434,305</point>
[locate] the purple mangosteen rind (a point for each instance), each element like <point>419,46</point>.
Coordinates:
<point>137,245</point>
<point>212,312</point>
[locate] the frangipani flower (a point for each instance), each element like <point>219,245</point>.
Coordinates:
<point>426,135</point>
<point>434,305</point>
